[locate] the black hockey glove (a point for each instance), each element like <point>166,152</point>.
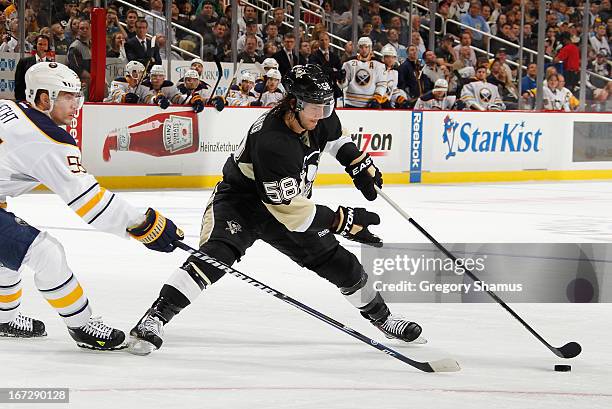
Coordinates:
<point>156,232</point>
<point>218,103</point>
<point>197,106</point>
<point>374,104</point>
<point>352,223</point>
<point>131,98</point>
<point>256,104</point>
<point>162,101</point>
<point>365,175</point>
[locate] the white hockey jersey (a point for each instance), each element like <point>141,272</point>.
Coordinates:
<point>555,100</point>
<point>270,99</point>
<point>119,88</point>
<point>395,95</point>
<point>34,150</point>
<point>427,101</point>
<point>363,80</point>
<point>188,94</point>
<point>237,98</point>
<point>480,95</point>
<point>168,89</point>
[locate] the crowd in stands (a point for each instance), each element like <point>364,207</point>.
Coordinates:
<point>464,56</point>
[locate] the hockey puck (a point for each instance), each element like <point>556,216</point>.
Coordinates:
<point>563,368</point>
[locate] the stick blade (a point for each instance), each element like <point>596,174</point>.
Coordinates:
<point>445,365</point>
<point>570,350</point>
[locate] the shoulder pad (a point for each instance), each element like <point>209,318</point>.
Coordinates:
<point>120,79</point>
<point>428,96</point>
<point>167,83</point>
<point>47,126</point>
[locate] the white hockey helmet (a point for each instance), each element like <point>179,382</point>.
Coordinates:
<point>440,85</point>
<point>364,41</point>
<point>274,73</point>
<point>134,66</point>
<point>388,51</point>
<point>158,70</point>
<point>192,74</point>
<point>197,61</point>
<point>269,63</point>
<point>247,76</point>
<point>54,78</point>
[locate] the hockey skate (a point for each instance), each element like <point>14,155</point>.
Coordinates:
<point>395,327</point>
<point>23,327</point>
<point>98,336</point>
<point>147,335</point>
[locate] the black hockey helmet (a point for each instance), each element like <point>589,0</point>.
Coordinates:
<point>310,86</point>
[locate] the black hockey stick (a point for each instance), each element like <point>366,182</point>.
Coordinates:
<point>220,74</point>
<point>569,350</point>
<point>442,365</point>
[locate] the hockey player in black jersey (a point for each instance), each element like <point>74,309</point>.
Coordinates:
<point>265,194</point>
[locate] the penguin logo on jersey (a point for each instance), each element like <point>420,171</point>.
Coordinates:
<point>309,172</point>
<point>485,94</point>
<point>362,77</point>
<point>233,227</point>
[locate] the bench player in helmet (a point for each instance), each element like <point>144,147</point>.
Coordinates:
<point>364,83</point>
<point>437,98</point>
<point>479,95</point>
<point>162,92</point>
<point>34,149</point>
<point>395,97</point>
<point>192,90</point>
<point>265,194</point>
<point>128,89</point>
<point>272,94</point>
<point>267,65</point>
<point>198,65</point>
<point>245,95</point>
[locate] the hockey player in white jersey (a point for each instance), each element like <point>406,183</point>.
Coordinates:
<point>437,98</point>
<point>192,90</point>
<point>272,94</point>
<point>161,91</point>
<point>35,150</point>
<point>244,96</point>
<point>128,89</point>
<point>479,95</point>
<point>395,97</point>
<point>364,83</point>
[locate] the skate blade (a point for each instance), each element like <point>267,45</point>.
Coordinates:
<point>93,348</point>
<point>8,335</point>
<point>140,347</point>
<point>418,341</point>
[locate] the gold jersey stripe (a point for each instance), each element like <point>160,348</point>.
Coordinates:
<point>82,211</point>
<point>10,297</point>
<point>67,300</point>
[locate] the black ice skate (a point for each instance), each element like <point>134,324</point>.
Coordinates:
<point>400,328</point>
<point>23,327</point>
<point>147,335</point>
<point>99,336</point>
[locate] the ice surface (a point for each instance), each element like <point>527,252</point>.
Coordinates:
<point>237,347</point>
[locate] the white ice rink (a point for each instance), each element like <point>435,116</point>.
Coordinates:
<point>237,347</point>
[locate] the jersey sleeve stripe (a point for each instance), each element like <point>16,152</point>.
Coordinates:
<point>83,210</point>
<point>103,209</point>
<point>82,194</point>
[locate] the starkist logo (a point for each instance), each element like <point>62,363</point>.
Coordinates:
<point>376,144</point>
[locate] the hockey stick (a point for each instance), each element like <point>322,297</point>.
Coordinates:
<point>569,350</point>
<point>229,87</point>
<point>220,74</point>
<point>443,365</point>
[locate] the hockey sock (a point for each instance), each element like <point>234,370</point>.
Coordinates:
<point>10,294</point>
<point>369,301</point>
<point>56,282</point>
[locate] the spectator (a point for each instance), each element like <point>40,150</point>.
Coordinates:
<point>505,87</point>
<point>79,53</point>
<point>71,10</point>
<point>272,35</point>
<point>475,20</point>
<point>186,15</point>
<point>602,67</point>
<point>466,41</point>
<point>249,55</point>
<point>60,43</point>
<point>154,24</point>
<point>251,28</point>
<point>528,83</point>
<point>568,97</point>
<point>463,61</point>
<point>400,50</point>
<point>10,42</point>
<point>269,50</point>
<point>160,44</point>
<point>117,47</point>
<point>459,8</point>
<point>217,42</point>
<point>112,23</point>
<point>347,54</point>
<point>507,35</point>
<point>569,54</point>
<point>599,41</point>
<point>73,29</point>
<point>377,35</point>
<point>140,48</point>
<point>279,18</point>
<point>206,20</point>
<point>305,52</point>
<point>130,20</point>
<point>446,50</point>
<point>287,58</point>
<point>42,46</point>
<point>502,57</point>
<point>248,13</point>
<point>417,35</point>
<point>328,59</point>
<point>431,71</point>
<point>407,75</point>
<point>553,98</point>
<point>479,95</point>
<point>402,29</point>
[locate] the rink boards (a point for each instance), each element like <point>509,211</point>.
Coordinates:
<point>178,149</point>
